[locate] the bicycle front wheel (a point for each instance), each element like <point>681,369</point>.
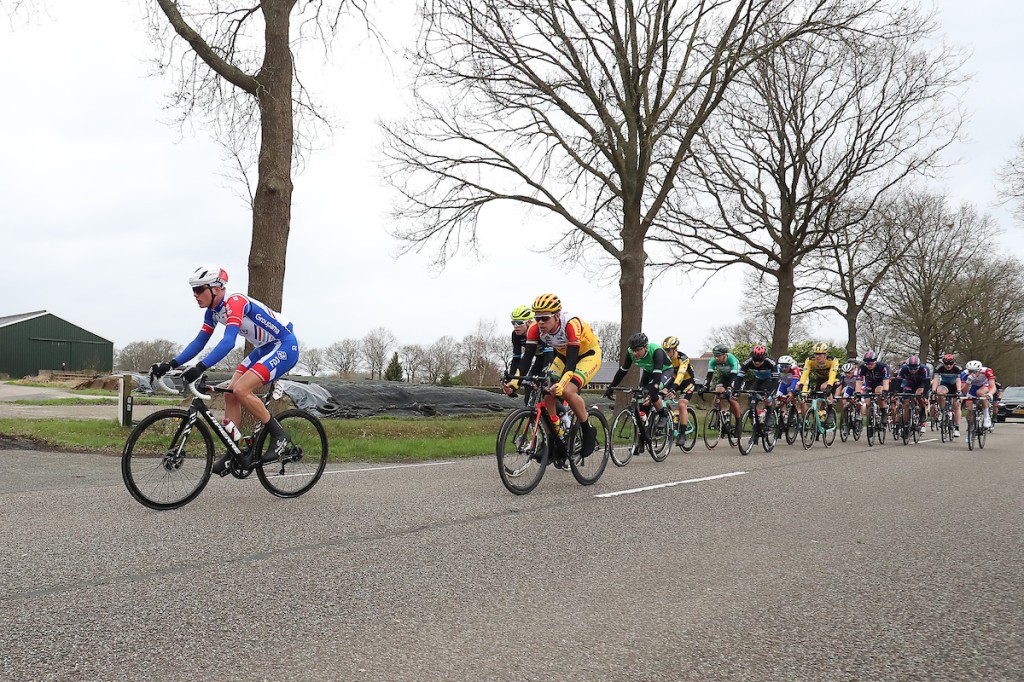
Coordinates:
<point>844,424</point>
<point>828,437</point>
<point>661,438</point>
<point>166,462</point>
<point>748,433</point>
<point>810,426</point>
<point>523,451</point>
<point>792,424</point>
<point>712,428</point>
<point>625,438</point>
<point>586,470</point>
<point>304,461</point>
<point>770,430</point>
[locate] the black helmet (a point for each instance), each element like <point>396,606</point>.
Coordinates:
<point>720,349</point>
<point>639,340</point>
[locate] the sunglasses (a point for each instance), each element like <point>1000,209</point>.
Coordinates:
<point>199,290</point>
<point>542,318</point>
<point>518,323</point>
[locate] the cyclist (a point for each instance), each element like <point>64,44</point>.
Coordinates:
<point>276,351</point>
<point>821,370</point>
<point>874,379</point>
<point>846,384</point>
<point>763,377</point>
<point>522,317</point>
<point>914,378</point>
<point>653,362</point>
<point>946,381</point>
<point>789,376</point>
<point>725,369</point>
<point>682,383</point>
<point>980,382</point>
<point>577,359</point>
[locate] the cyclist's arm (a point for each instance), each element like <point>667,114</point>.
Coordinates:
<point>529,350</point>
<point>620,373</point>
<point>805,378</point>
<point>221,350</point>
<point>198,343</point>
<point>833,373</point>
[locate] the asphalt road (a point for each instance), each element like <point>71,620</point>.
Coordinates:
<point>854,563</point>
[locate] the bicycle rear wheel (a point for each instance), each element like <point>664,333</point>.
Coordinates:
<point>661,437</point>
<point>302,463</point>
<point>625,438</point>
<point>769,430</point>
<point>980,430</point>
<point>690,437</point>
<point>712,428</point>
<point>586,470</point>
<point>844,424</point>
<point>165,463</point>
<point>858,424</point>
<point>523,451</point>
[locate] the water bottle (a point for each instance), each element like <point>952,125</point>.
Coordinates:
<point>566,420</point>
<point>232,430</point>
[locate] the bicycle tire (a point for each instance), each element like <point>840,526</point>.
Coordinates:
<point>304,461</point>
<point>880,430</point>
<point>625,437</point>
<point>809,426</point>
<point>733,425</point>
<point>747,434</point>
<point>769,431</point>
<point>792,424</point>
<point>915,424</point>
<point>870,425</point>
<point>981,430</point>
<point>148,465</point>
<point>844,424</point>
<point>690,438</point>
<point>828,436</point>
<point>586,470</point>
<point>660,443</point>
<point>858,425</point>
<point>522,452</point>
<point>712,428</point>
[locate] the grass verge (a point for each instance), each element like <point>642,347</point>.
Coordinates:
<point>374,439</point>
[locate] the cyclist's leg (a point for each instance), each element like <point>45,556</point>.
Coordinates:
<point>275,361</point>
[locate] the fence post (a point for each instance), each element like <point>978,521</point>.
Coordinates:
<point>124,400</point>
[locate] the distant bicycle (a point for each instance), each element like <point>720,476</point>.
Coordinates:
<point>169,455</point>
<point>638,427</point>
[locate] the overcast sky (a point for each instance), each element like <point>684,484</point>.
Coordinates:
<point>106,209</point>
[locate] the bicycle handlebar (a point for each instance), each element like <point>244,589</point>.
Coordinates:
<point>154,381</point>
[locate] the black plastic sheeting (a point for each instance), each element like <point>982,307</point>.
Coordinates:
<point>349,399</point>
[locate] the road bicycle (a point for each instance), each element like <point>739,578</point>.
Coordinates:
<point>528,441</point>
<point>638,427</point>
<point>757,425</point>
<point>875,426</point>
<point>907,418</point>
<point>168,458</point>
<point>975,423</point>
<point>850,422</point>
<point>719,421</point>
<point>819,421</point>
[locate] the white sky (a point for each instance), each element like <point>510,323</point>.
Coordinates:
<point>105,209</point>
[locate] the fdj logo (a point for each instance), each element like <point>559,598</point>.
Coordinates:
<point>281,355</point>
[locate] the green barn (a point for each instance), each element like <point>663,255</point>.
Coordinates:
<point>36,341</point>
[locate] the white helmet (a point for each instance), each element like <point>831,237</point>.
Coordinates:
<point>974,366</point>
<point>786,360</point>
<point>208,275</point>
<point>848,367</point>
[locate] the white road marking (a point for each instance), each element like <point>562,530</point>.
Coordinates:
<point>929,440</point>
<point>359,471</point>
<point>669,485</point>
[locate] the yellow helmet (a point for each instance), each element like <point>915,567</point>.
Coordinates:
<point>670,342</point>
<point>547,303</point>
<point>820,348</point>
<point>522,313</point>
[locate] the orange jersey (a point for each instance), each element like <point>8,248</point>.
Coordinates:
<point>572,331</point>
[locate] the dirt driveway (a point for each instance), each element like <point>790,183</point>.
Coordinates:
<point>10,393</point>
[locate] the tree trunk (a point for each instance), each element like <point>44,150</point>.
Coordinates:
<point>852,314</point>
<point>271,216</point>
<point>783,309</point>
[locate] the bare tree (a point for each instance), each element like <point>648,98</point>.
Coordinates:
<point>343,356</point>
<point>238,72</point>
<point>844,276</point>
<point>816,122</point>
<point>609,335</point>
<point>443,359</point>
<point>478,354</point>
<point>313,360</point>
<point>414,357</point>
<point>584,111</point>
<point>1011,180</point>
<point>375,348</point>
<point>141,355</point>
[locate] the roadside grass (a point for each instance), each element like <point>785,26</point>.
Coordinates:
<point>373,439</point>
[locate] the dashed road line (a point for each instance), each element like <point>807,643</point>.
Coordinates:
<point>669,485</point>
